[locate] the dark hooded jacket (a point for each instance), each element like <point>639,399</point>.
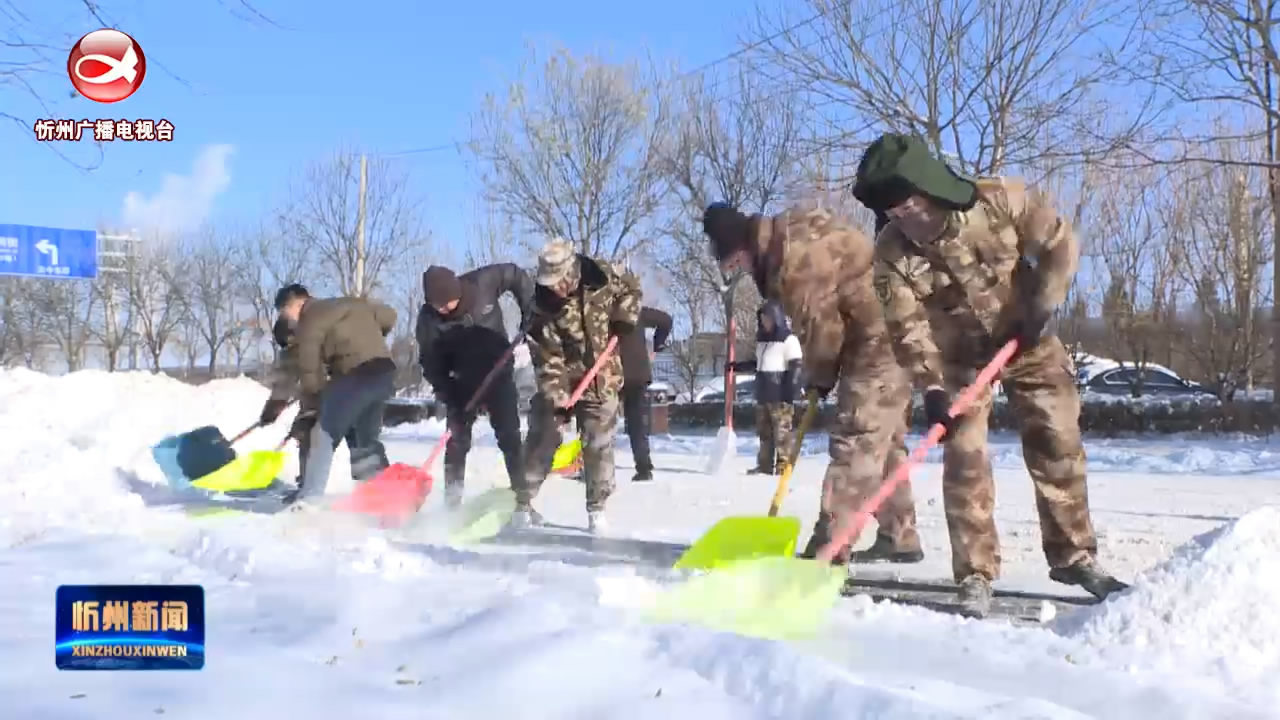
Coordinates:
<point>635,354</point>
<point>778,357</point>
<point>459,349</point>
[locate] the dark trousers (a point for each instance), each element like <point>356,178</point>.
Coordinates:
<point>351,408</point>
<point>635,410</point>
<point>501,402</point>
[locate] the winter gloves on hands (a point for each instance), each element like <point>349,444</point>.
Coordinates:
<point>937,411</point>
<point>302,425</point>
<point>563,415</point>
<point>621,328</point>
<point>271,410</point>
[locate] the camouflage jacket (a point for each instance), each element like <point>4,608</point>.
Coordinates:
<point>819,267</point>
<point>1012,253</point>
<point>566,337</point>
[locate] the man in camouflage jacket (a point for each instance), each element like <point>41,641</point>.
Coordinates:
<point>962,267</point>
<point>819,268</point>
<point>579,303</point>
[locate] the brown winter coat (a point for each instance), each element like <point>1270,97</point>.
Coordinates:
<point>819,267</point>
<point>337,335</point>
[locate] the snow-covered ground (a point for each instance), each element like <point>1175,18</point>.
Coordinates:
<point>337,620</point>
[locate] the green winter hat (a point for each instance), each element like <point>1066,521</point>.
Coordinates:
<point>894,167</point>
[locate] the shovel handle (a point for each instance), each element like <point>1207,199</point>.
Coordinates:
<point>855,521</point>
<point>805,421</point>
<point>581,390</point>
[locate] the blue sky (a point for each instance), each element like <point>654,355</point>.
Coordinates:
<point>259,103</point>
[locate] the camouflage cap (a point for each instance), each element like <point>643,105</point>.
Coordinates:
<point>556,262</point>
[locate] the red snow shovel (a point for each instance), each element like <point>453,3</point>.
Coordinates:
<point>790,597</point>
<point>398,491</point>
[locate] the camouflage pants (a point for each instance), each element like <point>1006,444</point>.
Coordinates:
<point>597,424</point>
<point>867,446</point>
<point>773,428</point>
<point>1044,399</point>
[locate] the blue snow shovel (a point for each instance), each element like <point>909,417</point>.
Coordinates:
<point>204,459</point>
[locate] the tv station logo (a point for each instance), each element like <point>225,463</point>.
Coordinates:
<point>105,66</point>
<point>129,627</point>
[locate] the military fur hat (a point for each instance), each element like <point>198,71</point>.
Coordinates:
<point>895,167</point>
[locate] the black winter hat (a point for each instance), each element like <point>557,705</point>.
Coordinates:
<point>282,332</point>
<point>440,286</point>
<point>290,292</point>
<point>895,167</point>
<point>727,227</point>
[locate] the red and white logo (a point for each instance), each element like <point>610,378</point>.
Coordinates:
<point>106,66</point>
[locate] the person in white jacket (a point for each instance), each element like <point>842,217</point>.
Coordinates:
<point>777,369</point>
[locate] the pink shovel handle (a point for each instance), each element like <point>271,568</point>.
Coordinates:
<point>856,520</point>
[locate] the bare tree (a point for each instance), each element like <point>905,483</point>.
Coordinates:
<point>742,149</point>
<point>1219,221</point>
<point>211,297</point>
<point>322,219</point>
<point>1140,301</point>
<point>1216,61</point>
<point>1000,84</point>
<point>112,324</point>
<point>67,310</point>
<point>572,150</point>
<point>157,284</point>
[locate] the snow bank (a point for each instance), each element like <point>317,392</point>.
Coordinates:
<point>79,445</point>
<point>1209,611</point>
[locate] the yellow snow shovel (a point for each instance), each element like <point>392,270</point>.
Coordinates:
<point>566,455</point>
<point>788,597</point>
<point>251,471</point>
<point>751,536</point>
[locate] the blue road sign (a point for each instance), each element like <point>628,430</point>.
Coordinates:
<point>48,252</point>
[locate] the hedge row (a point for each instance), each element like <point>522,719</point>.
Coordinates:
<point>1103,419</point>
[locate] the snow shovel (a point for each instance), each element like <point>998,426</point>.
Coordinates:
<point>253,471</point>
<point>566,455</point>
<point>485,515</point>
<point>398,491</point>
<point>789,598</point>
<point>743,537</point>
<point>726,444</point>
<point>207,456</point>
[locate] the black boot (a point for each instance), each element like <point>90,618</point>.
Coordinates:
<point>642,476</point>
<point>1088,574</point>
<point>975,595</point>
<point>819,539</point>
<point>883,551</point>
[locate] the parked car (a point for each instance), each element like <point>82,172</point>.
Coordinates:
<point>744,392</point>
<point>1120,380</point>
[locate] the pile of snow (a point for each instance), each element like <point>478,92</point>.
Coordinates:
<point>78,446</point>
<point>1209,611</point>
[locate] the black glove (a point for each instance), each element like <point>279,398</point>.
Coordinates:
<point>620,328</point>
<point>937,411</point>
<point>563,415</point>
<point>271,410</point>
<point>302,425</point>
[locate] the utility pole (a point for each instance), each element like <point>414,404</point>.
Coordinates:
<point>358,283</point>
